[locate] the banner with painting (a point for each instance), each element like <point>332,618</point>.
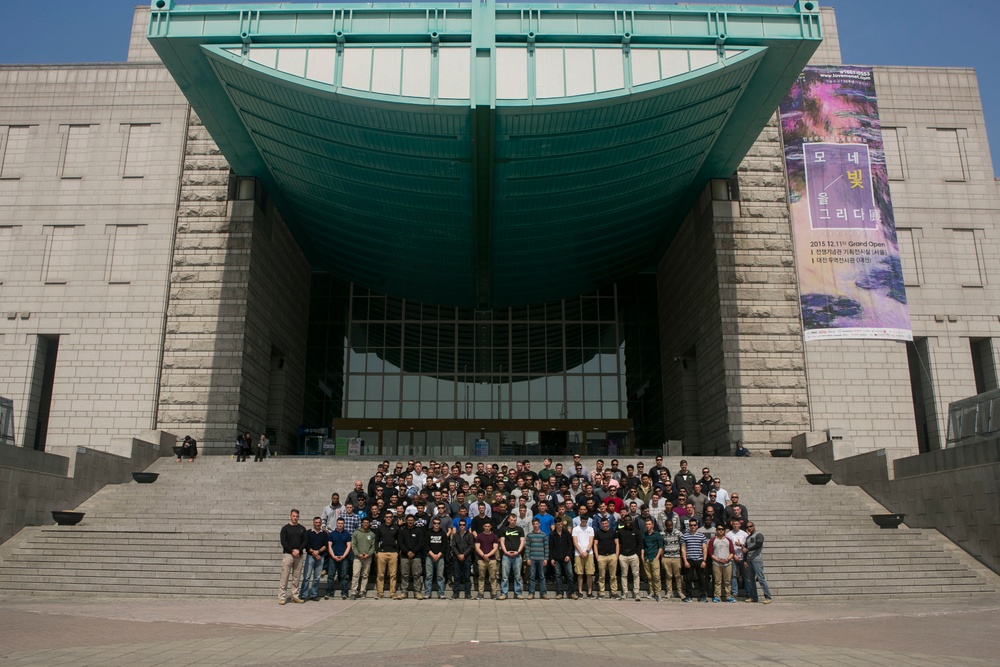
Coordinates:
<point>846,251</point>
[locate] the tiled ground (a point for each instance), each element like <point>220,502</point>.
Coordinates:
<point>455,633</point>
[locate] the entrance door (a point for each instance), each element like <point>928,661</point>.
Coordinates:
<point>554,443</point>
<point>411,443</point>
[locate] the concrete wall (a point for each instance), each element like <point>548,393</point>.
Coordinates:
<point>33,483</point>
<point>91,156</point>
<point>729,310</point>
<point>239,291</point>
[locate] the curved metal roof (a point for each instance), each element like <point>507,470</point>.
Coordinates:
<point>483,156</point>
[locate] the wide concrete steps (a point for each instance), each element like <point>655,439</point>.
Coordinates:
<point>211,529</point>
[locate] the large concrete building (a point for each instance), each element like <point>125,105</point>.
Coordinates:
<point>437,227</point>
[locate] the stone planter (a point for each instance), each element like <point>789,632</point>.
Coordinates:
<point>819,478</point>
<point>145,477</point>
<point>888,520</point>
<point>781,453</point>
<point>67,517</point>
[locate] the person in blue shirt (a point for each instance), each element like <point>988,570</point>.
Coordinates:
<point>545,520</point>
<point>339,548</point>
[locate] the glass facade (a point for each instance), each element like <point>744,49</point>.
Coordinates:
<point>401,372</point>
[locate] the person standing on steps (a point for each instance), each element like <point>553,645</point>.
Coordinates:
<point>293,545</point>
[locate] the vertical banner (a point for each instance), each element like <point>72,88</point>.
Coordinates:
<point>846,251</point>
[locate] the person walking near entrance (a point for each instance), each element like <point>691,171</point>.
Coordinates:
<point>293,545</point>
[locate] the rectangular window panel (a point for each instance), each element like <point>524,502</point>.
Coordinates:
<point>673,62</point>
<point>77,149</point>
<point>356,388</point>
<point>891,141</point>
<point>703,58</point>
<point>417,72</point>
<point>60,254</point>
<point>13,151</point>
<point>608,69</point>
<point>579,71</point>
<point>136,151</point>
<point>512,73</point>
<point>909,256</point>
<point>453,73</point>
<point>321,65</point>
<point>292,61</point>
<point>6,251</point>
<point>549,73</point>
<point>124,253</point>
<point>645,66</point>
<point>966,258</point>
<point>357,69</point>
<point>949,155</point>
<point>264,56</point>
<point>386,70</point>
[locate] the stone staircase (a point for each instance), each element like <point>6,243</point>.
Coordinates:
<point>211,529</point>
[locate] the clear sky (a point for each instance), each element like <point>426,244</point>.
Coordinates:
<point>872,32</point>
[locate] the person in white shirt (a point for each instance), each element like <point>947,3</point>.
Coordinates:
<point>738,537</point>
<point>583,546</point>
<point>419,476</point>
<point>721,495</point>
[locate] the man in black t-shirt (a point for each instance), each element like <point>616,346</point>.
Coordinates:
<point>386,554</point>
<point>606,546</point>
<point>511,546</point>
<point>411,558</point>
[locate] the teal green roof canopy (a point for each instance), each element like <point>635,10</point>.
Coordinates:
<point>484,155</point>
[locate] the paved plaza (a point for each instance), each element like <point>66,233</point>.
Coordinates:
<point>129,631</point>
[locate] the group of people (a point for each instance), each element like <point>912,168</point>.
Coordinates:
<point>498,528</point>
<point>244,447</point>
